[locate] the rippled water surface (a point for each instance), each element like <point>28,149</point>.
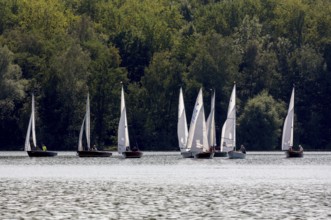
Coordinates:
<point>162,185</point>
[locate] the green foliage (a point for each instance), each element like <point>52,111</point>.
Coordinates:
<point>61,50</point>
<point>260,122</point>
<point>12,92</point>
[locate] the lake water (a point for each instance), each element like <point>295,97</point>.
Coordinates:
<point>162,185</point>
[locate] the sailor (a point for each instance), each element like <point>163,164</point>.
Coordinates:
<point>44,147</point>
<point>242,149</point>
<point>94,148</point>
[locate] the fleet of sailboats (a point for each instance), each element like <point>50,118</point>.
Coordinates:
<point>287,137</point>
<point>88,151</point>
<point>199,141</point>
<point>34,151</point>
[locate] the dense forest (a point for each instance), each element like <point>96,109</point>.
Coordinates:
<point>61,50</point>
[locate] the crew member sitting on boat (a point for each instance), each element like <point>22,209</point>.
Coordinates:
<point>242,149</point>
<point>94,148</point>
<point>134,148</point>
<point>298,148</point>
<point>44,147</point>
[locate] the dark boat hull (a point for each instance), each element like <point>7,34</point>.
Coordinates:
<point>94,153</point>
<point>294,153</point>
<point>204,155</point>
<point>132,154</point>
<point>220,154</point>
<point>187,154</point>
<point>39,153</point>
<point>236,155</point>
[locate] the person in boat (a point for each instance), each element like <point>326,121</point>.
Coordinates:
<point>298,148</point>
<point>94,148</point>
<point>290,148</point>
<point>43,146</point>
<point>134,148</point>
<point>243,149</point>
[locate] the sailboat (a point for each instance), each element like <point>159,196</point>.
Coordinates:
<point>197,140</point>
<point>287,138</point>
<point>35,152</point>
<point>228,137</point>
<point>123,134</point>
<point>88,151</point>
<point>182,131</point>
<point>211,129</point>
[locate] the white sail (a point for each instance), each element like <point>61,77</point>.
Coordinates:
<point>197,137</point>
<point>27,146</point>
<point>31,128</point>
<point>123,131</point>
<point>211,130</point>
<point>182,131</point>
<point>33,122</point>
<point>287,139</point>
<point>228,137</point>
<point>80,142</point>
<point>86,122</point>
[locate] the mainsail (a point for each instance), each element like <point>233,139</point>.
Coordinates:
<point>87,123</point>
<point>287,139</point>
<point>123,131</point>
<point>211,130</point>
<point>31,128</point>
<point>228,137</point>
<point>197,137</point>
<point>182,131</point>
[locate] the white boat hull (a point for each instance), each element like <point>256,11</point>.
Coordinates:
<point>236,155</point>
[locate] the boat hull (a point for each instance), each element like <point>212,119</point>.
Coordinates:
<point>132,154</point>
<point>87,153</point>
<point>294,153</point>
<point>236,155</point>
<point>204,155</point>
<point>220,154</point>
<point>187,154</point>
<point>39,153</point>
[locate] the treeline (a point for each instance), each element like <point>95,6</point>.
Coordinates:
<point>61,50</point>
